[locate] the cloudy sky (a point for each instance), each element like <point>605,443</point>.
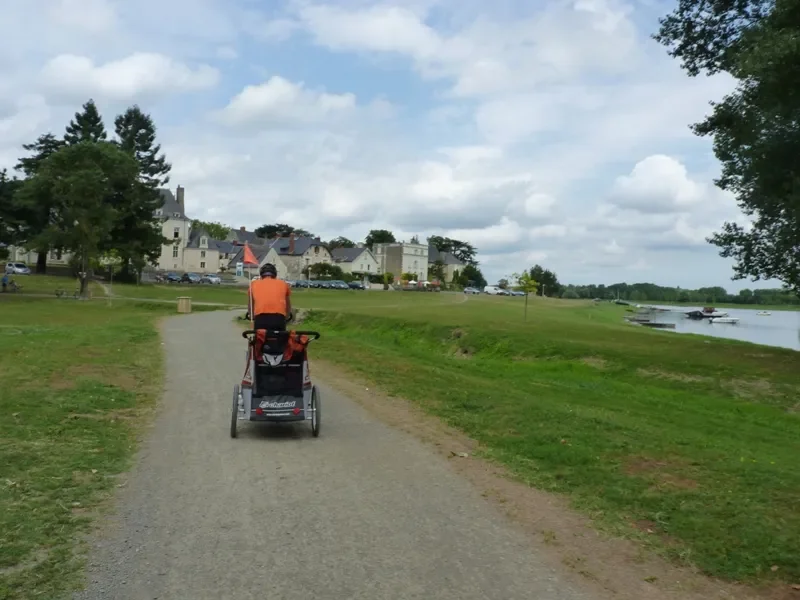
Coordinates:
<point>541,131</point>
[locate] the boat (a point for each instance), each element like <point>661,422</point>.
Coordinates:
<point>729,320</point>
<point>706,314</point>
<point>763,313</point>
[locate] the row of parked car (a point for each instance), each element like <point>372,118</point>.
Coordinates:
<point>493,290</point>
<point>327,285</point>
<point>209,278</point>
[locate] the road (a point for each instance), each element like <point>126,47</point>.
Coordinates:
<point>362,512</point>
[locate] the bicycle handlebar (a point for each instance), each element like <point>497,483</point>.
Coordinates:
<point>315,334</point>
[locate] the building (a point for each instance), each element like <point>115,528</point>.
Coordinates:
<point>450,264</point>
<point>398,258</point>
<point>356,261</point>
<point>291,255</point>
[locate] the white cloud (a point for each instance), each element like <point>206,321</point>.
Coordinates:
<point>278,102</point>
<point>138,75</point>
<point>658,184</point>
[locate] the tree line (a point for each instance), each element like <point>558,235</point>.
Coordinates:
<point>88,194</point>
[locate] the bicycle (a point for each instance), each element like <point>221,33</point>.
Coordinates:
<point>12,286</point>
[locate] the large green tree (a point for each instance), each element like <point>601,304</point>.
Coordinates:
<point>217,230</point>
<point>269,231</point>
<point>11,215</point>
<point>340,242</point>
<point>137,237</point>
<point>136,134</point>
<point>38,211</point>
<point>87,181</point>
<point>755,129</point>
<point>86,126</point>
<point>463,251</point>
<point>379,236</point>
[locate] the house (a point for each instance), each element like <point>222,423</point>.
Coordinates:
<point>175,226</point>
<point>356,261</point>
<point>450,264</point>
<point>240,237</point>
<point>298,253</point>
<point>398,258</point>
<point>291,255</point>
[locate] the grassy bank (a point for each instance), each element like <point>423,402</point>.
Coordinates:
<point>689,444</point>
<point>77,377</point>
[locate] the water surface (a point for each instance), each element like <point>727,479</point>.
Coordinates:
<point>781,328</point>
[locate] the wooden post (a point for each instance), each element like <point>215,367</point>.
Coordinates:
<point>184,304</point>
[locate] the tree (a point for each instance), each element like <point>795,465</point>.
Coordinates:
<point>527,284</point>
<point>437,271</point>
<point>216,230</point>
<point>340,242</point>
<point>471,275</point>
<point>503,284</point>
<point>281,229</point>
<point>86,181</point>
<point>37,212</point>
<point>325,270</point>
<point>379,236</point>
<point>754,129</point>
<point>86,126</point>
<point>547,281</point>
<point>11,214</point>
<point>137,136</point>
<point>137,236</point>
<point>463,251</point>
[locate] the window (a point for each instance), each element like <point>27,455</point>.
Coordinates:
<point>369,267</point>
<point>159,212</point>
<point>203,242</point>
<point>202,265</point>
<point>202,253</point>
<point>174,252</point>
<point>176,214</point>
<point>316,249</point>
<point>176,233</point>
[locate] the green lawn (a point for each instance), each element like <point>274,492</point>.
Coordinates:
<point>694,439</point>
<point>77,379</point>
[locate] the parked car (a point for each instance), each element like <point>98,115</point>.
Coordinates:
<point>339,285</point>
<point>356,285</point>
<point>173,278</point>
<point>211,278</point>
<point>493,290</point>
<point>517,293</point>
<point>471,290</point>
<point>191,278</point>
<point>17,268</point>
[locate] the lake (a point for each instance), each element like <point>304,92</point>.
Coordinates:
<point>781,328</point>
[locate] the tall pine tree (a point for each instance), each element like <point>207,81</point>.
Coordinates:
<point>137,236</point>
<point>86,126</point>
<point>137,136</point>
<point>37,211</point>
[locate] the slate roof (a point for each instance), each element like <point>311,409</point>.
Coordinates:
<point>301,244</point>
<point>247,236</point>
<point>259,251</point>
<point>347,254</point>
<point>170,206</point>
<point>445,257</point>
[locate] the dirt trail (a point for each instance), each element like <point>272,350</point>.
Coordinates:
<point>364,511</point>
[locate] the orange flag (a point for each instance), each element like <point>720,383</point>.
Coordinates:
<point>249,257</point>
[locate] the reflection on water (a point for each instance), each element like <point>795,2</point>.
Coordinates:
<point>780,328</point>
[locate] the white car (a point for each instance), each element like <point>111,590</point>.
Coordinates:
<point>211,278</point>
<point>493,290</point>
<point>17,268</point>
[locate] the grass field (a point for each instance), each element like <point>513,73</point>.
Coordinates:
<point>76,379</point>
<point>693,439</point>
<point>687,443</point>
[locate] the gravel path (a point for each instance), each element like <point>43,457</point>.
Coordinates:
<point>364,511</point>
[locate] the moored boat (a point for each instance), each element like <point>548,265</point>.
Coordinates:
<point>728,320</point>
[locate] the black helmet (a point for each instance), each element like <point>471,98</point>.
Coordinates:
<point>268,269</point>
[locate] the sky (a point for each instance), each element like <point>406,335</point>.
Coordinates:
<point>550,132</point>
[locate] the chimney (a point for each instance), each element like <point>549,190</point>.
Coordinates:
<point>179,193</point>
<point>291,243</point>
<point>242,229</point>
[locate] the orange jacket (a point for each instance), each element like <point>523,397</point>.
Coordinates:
<point>269,296</point>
